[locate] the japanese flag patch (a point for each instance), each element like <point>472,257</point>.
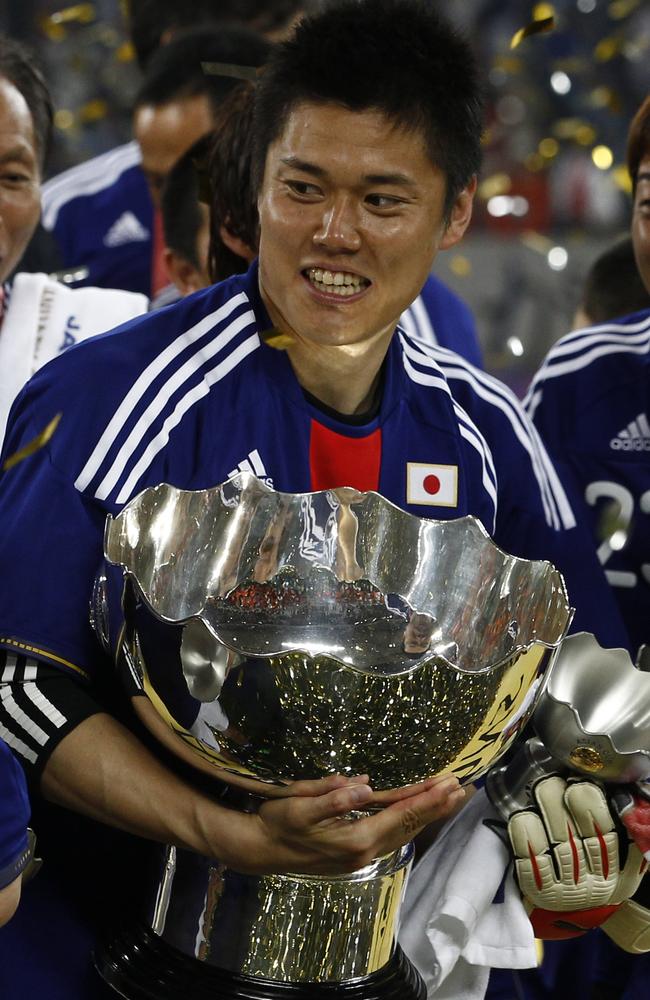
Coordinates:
<point>432,485</point>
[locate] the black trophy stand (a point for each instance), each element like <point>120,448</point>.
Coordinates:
<point>138,965</point>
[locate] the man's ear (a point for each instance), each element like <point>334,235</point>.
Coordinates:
<point>460,215</point>
<point>236,244</point>
<point>183,273</point>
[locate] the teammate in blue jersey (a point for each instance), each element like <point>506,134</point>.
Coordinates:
<point>591,403</point>
<point>100,213</point>
<point>368,128</point>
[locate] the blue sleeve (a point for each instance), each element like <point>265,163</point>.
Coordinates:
<point>14,817</point>
<point>452,320</point>
<point>50,539</point>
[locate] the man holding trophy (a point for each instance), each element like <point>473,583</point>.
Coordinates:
<point>368,127</point>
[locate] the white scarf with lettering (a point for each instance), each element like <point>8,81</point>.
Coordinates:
<point>44,317</point>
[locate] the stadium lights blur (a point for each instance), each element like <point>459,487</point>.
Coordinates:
<point>505,204</point>
<point>560,82</point>
<point>515,346</point>
<point>557,258</point>
<point>602,157</point>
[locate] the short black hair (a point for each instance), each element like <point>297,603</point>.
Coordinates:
<point>397,57</point>
<point>233,198</point>
<point>180,201</point>
<point>638,139</point>
<point>18,65</point>
<point>613,286</point>
<point>177,69</point>
<point>149,20</point>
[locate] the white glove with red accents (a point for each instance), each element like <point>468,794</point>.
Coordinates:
<point>568,858</point>
<point>629,926</point>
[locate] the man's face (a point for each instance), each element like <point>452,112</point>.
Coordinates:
<point>351,217</point>
<point>164,132</point>
<point>20,201</point>
<point>641,220</point>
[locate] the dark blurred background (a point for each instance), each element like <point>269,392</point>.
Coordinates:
<point>553,191</point>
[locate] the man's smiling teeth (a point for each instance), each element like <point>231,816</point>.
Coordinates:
<point>337,282</point>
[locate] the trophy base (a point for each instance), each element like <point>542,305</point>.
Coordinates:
<point>138,965</point>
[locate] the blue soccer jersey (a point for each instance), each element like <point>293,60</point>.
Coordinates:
<point>440,317</point>
<point>101,217</point>
<point>190,395</point>
<point>591,404</point>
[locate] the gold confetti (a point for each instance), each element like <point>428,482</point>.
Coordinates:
<point>622,178</point>
<point>494,185</point>
<point>534,28</point>
<point>125,53</point>
<point>93,111</point>
<point>608,48</point>
<point>63,119</point>
<point>548,148</point>
<point>82,12</point>
<point>509,64</point>
<point>619,9</point>
<point>33,446</point>
<point>535,162</point>
<point>53,32</point>
<point>586,135</point>
<point>276,338</point>
<point>602,157</point>
<point>542,10</point>
<point>577,129</point>
<point>460,265</point>
<point>573,65</point>
<point>606,97</point>
<point>231,70</point>
<point>535,241</point>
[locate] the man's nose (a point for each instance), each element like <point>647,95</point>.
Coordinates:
<point>338,228</point>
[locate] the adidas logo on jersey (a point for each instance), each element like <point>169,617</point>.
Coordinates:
<point>634,437</point>
<point>255,465</point>
<point>126,229</point>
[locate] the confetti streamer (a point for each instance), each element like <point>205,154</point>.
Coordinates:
<point>534,28</point>
<point>231,70</point>
<point>275,338</point>
<point>33,446</point>
<point>620,9</point>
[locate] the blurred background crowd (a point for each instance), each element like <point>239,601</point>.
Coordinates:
<point>564,80</point>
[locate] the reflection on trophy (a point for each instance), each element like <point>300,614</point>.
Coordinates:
<point>592,719</point>
<point>277,637</point>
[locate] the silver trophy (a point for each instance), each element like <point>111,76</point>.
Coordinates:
<point>282,636</point>
<point>592,719</point>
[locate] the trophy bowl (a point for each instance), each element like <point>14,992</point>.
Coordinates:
<point>594,714</point>
<point>592,719</point>
<point>279,636</point>
<point>282,636</point>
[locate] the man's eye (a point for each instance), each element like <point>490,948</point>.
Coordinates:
<point>382,201</point>
<point>303,188</point>
<point>14,177</point>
